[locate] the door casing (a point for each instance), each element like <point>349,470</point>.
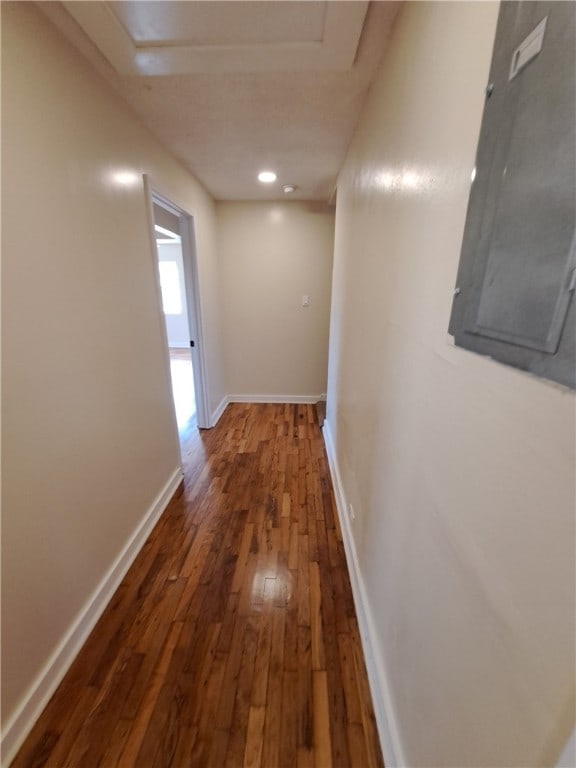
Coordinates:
<point>192,293</point>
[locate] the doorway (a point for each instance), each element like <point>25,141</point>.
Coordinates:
<point>172,289</point>
<point>174,240</point>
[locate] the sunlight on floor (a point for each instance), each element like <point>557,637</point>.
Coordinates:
<point>183,389</point>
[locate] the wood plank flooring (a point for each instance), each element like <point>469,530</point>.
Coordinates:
<point>233,640</point>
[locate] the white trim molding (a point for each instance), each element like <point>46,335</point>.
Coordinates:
<point>286,399</point>
<point>192,290</point>
<point>334,50</point>
<point>50,676</point>
<point>385,717</point>
<point>219,410</point>
<point>290,399</point>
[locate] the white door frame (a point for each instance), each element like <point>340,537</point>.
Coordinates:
<point>191,289</point>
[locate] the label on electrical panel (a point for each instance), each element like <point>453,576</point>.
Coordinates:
<point>528,48</point>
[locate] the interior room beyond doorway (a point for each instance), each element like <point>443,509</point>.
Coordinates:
<point>183,387</point>
<point>171,267</point>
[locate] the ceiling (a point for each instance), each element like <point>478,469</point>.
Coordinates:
<point>232,87</point>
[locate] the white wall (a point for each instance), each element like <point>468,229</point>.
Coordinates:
<point>177,327</point>
<point>89,439</point>
<point>270,255</point>
<point>460,470</point>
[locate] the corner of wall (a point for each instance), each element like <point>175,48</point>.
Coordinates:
<point>219,410</point>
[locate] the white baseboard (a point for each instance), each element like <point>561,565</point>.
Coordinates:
<point>385,719</point>
<point>42,689</point>
<point>294,399</point>
<point>217,413</point>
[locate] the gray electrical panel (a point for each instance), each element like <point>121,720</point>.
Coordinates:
<point>514,291</point>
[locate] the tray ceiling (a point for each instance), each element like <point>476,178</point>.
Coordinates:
<point>232,88</point>
<point>176,38</point>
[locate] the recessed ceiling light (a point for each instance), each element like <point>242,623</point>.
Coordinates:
<point>289,188</point>
<point>267,177</point>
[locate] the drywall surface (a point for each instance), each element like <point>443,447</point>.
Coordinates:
<point>89,438</point>
<point>270,256</point>
<point>460,470</point>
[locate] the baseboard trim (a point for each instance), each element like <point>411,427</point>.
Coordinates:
<point>289,399</point>
<point>42,689</point>
<point>220,408</point>
<point>377,678</point>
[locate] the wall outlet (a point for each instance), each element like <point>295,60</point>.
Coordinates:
<point>351,513</point>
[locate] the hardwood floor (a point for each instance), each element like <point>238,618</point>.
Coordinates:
<point>233,640</point>
<point>182,378</point>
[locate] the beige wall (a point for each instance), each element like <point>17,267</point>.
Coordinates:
<point>460,470</point>
<point>270,255</point>
<point>88,431</point>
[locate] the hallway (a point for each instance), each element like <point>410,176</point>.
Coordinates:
<point>233,640</point>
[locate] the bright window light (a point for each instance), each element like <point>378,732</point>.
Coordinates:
<point>170,286</point>
<point>168,235</point>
